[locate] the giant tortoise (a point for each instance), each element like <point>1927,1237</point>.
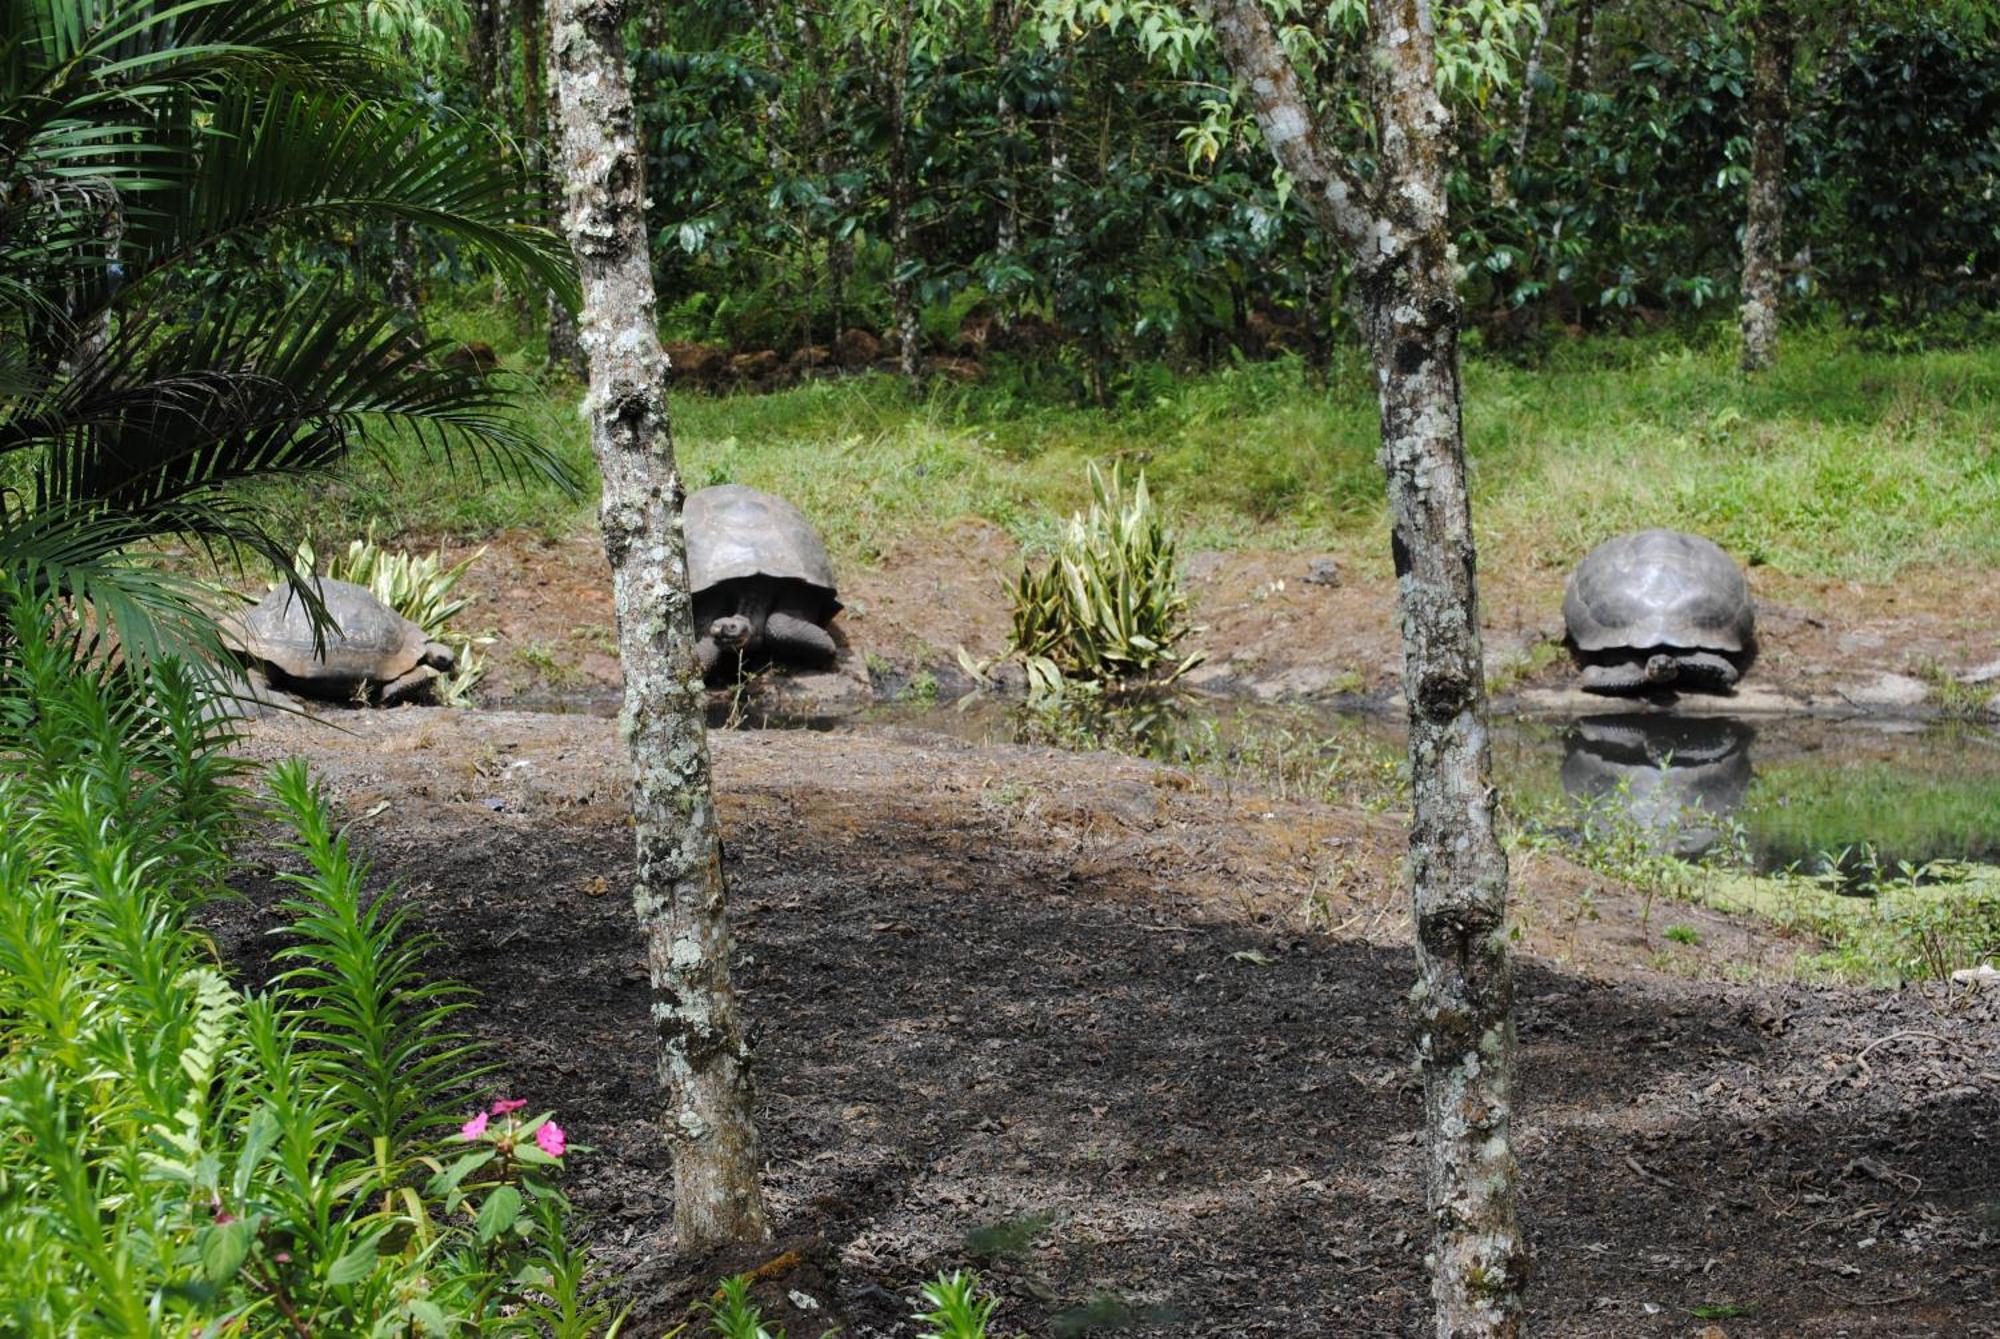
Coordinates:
<point>762,583</point>
<point>370,651</point>
<point>1659,609</point>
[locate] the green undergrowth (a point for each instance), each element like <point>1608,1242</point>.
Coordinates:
<point>1881,920</point>
<point>1917,922</point>
<point>1842,462</point>
<point>189,1155</point>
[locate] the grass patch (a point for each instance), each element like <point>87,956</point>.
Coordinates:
<point>1921,923</point>
<point>1841,463</point>
<point>1936,802</point>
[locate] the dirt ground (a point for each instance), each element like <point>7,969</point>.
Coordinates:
<point>1269,631</point>
<point>1136,1047</point>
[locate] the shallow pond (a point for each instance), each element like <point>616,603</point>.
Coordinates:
<point>1861,795</point>
<point>1806,792</point>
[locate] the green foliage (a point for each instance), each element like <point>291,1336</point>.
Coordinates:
<point>957,1311</point>
<point>172,179</point>
<point>1882,922</point>
<point>191,1157</point>
<point>732,1315</point>
<point>1088,178</point>
<point>1108,610</point>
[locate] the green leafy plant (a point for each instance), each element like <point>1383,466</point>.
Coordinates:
<point>732,1315</point>
<point>957,1310</point>
<point>186,1156</point>
<point>173,177</point>
<point>1108,610</point>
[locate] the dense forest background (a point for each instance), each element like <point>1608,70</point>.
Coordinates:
<point>1075,180</point>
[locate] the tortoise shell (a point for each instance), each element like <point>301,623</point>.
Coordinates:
<point>736,533</point>
<point>1658,588</point>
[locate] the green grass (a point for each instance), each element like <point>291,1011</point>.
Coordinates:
<point>1938,802</point>
<point>1841,463</point>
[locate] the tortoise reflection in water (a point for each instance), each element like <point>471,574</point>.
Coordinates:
<point>1675,776</point>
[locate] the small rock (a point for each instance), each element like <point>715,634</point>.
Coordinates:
<point>1985,974</point>
<point>475,355</point>
<point>697,364</point>
<point>1986,673</point>
<point>1323,571</point>
<point>755,366</point>
<point>1890,690</point>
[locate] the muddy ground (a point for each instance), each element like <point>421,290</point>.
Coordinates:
<point>1136,1047</point>
<point>1273,627</point>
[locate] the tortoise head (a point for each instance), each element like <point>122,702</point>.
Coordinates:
<point>439,657</point>
<point>731,632</point>
<point>1662,668</point>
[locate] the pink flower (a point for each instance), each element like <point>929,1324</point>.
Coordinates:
<point>551,1139</point>
<point>473,1128</point>
<point>508,1104</point>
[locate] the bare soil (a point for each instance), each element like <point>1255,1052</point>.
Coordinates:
<point>1136,1046</point>
<point>1268,631</point>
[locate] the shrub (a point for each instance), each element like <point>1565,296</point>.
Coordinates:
<point>186,1156</point>
<point>1108,610</point>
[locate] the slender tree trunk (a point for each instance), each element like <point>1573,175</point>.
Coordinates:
<point>902,291</point>
<point>402,282</point>
<point>544,132</point>
<point>1531,73</point>
<point>479,40</point>
<point>1763,229</point>
<point>704,1062</point>
<point>1406,292</point>
<point>1007,236</point>
<point>1582,62</point>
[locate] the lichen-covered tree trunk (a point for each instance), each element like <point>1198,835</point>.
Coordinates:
<point>902,291</point>
<point>1582,62</point>
<point>1007,233</point>
<point>1531,74</point>
<point>1763,229</point>
<point>704,1062</point>
<point>1396,233</point>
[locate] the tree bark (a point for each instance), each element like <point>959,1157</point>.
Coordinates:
<point>1582,62</point>
<point>901,291</point>
<point>1531,73</point>
<point>564,351</point>
<point>1763,229</point>
<point>1405,286</point>
<point>1007,233</point>
<point>704,1063</point>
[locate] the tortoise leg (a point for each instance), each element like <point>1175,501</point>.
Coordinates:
<point>1622,677</point>
<point>707,653</point>
<point>408,687</point>
<point>789,637</point>
<point>1709,670</point>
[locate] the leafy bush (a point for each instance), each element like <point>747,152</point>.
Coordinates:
<point>1108,610</point>
<point>189,1157</point>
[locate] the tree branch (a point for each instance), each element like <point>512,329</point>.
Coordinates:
<point>1250,46</point>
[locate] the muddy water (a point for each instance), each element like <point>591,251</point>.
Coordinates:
<point>1802,793</point>
<point>1862,796</point>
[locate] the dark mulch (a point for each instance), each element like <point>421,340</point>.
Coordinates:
<point>971,1056</point>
